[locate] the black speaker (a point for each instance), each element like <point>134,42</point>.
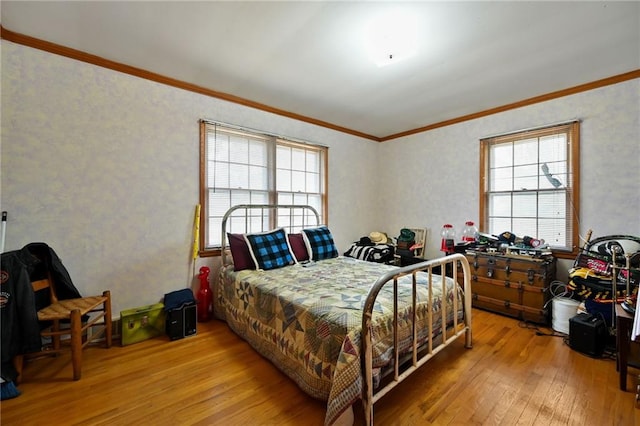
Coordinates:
<point>181,322</point>
<point>588,334</point>
<point>181,314</point>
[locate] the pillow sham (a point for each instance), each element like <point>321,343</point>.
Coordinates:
<point>299,248</point>
<point>270,250</point>
<point>319,242</point>
<point>240,252</point>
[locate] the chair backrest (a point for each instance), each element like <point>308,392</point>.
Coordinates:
<point>44,284</point>
<point>421,240</point>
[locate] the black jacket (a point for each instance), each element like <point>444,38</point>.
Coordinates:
<point>20,329</point>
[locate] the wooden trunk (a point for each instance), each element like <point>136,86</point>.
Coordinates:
<point>513,285</point>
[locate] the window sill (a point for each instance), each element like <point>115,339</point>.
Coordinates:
<point>210,252</point>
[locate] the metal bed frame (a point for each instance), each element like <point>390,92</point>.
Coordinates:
<point>273,223</point>
<point>403,364</point>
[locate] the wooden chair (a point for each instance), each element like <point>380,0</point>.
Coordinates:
<point>418,248</point>
<point>421,241</point>
<point>95,311</point>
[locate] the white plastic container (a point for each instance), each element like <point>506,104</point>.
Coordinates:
<point>562,310</point>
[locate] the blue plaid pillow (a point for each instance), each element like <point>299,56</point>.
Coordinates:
<point>270,250</point>
<point>320,243</point>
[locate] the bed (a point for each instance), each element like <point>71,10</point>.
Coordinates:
<point>343,329</point>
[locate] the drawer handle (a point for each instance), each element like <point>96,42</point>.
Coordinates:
<point>531,273</point>
<point>489,273</point>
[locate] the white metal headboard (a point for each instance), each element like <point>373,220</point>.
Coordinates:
<point>298,218</point>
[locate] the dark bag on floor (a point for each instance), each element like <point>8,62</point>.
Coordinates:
<point>181,314</point>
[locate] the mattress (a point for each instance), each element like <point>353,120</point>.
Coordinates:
<point>306,318</point>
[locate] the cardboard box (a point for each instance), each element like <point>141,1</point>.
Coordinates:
<point>142,323</point>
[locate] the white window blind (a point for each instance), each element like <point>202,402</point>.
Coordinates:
<point>246,167</point>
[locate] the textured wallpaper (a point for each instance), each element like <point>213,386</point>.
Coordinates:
<point>103,166</point>
<point>434,175</point>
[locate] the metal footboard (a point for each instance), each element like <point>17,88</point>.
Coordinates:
<point>420,352</point>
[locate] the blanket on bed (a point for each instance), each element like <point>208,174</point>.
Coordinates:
<point>307,318</point>
<point>381,253</point>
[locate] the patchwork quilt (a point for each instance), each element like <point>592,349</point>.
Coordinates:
<point>306,318</point>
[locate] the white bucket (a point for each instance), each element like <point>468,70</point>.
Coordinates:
<point>563,309</point>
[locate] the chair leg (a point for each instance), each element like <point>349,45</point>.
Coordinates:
<point>55,338</point>
<point>18,364</point>
<point>107,318</point>
<point>76,343</point>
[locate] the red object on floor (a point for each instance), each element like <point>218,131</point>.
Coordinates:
<point>204,296</point>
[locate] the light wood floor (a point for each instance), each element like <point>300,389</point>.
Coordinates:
<point>511,376</point>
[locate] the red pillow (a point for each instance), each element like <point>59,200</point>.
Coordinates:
<point>240,252</point>
<point>299,247</point>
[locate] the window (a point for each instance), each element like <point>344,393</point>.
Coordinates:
<point>239,166</point>
<point>529,185</point>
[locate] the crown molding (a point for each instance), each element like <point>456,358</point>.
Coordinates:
<point>536,99</point>
<point>148,75</point>
<point>68,52</point>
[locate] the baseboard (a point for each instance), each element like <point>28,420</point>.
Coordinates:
<point>116,328</point>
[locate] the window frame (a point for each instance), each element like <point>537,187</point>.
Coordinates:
<point>273,142</point>
<point>572,129</point>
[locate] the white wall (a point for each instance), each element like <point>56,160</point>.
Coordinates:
<point>433,176</point>
<point>103,167</point>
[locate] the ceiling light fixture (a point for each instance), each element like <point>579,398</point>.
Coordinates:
<point>391,37</point>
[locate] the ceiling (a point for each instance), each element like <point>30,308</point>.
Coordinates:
<point>308,58</point>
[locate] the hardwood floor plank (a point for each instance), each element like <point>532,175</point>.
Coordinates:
<point>512,375</point>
